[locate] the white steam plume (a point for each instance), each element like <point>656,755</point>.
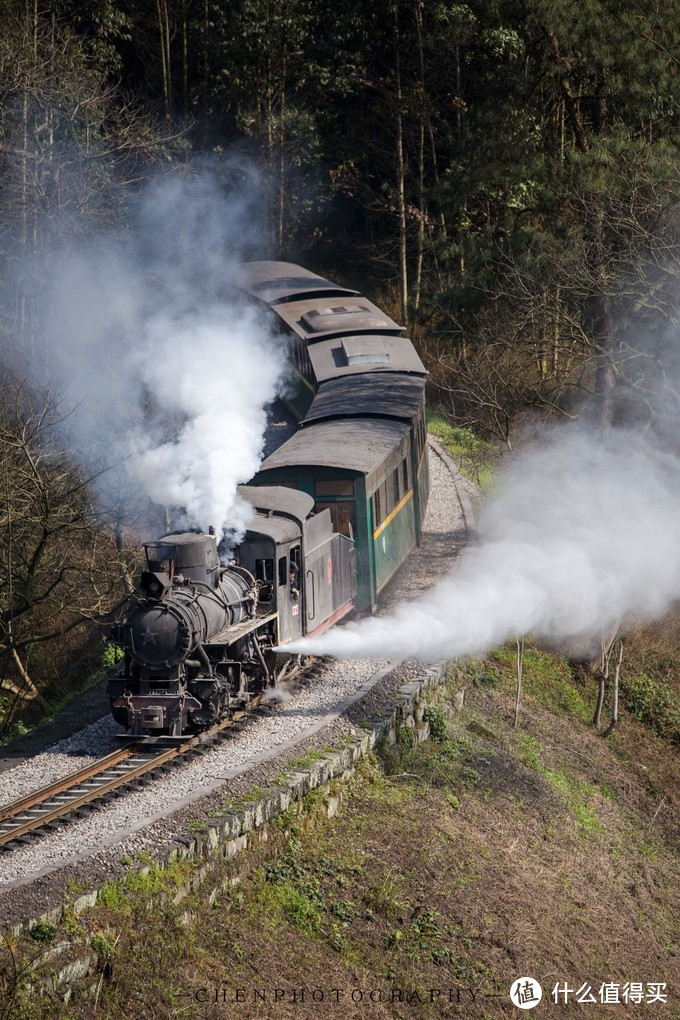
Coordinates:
<point>169,368</point>
<point>219,374</point>
<point>583,534</point>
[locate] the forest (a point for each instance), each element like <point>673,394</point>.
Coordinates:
<point>501,175</point>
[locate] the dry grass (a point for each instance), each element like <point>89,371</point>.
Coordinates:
<point>463,863</point>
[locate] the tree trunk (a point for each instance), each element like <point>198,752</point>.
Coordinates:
<point>520,665</point>
<point>600,701</point>
<point>602,330</point>
<point>615,693</point>
<point>401,197</point>
<point>421,161</point>
<point>126,576</point>
<point>185,62</point>
<point>206,62</point>
<point>32,694</point>
<point>164,40</point>
<point>282,156</point>
<point>269,116</point>
<point>605,655</point>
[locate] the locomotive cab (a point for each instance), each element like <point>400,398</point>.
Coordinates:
<point>273,554</point>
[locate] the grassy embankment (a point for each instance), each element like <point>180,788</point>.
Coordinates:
<point>473,455</point>
<point>485,854</point>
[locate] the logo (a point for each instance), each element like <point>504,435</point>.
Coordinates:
<point>526,992</point>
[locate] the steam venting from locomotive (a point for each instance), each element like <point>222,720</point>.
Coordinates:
<point>584,533</point>
<point>219,370</point>
<point>168,370</point>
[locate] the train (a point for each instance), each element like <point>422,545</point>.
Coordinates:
<point>337,509</point>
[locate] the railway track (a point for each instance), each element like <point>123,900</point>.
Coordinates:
<point>39,812</point>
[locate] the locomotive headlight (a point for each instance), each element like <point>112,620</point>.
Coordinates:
<point>155,584</point>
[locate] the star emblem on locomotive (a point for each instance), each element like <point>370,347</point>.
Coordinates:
<point>148,636</point>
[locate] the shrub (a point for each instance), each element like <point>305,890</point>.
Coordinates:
<point>43,931</point>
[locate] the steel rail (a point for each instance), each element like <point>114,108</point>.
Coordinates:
<point>59,785</point>
<point>103,777</point>
<point>119,768</point>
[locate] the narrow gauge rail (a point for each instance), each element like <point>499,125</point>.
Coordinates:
<point>37,812</point>
<point>40,809</point>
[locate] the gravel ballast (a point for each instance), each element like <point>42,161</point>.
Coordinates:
<point>315,716</point>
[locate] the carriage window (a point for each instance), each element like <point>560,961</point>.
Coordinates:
<point>393,487</point>
<point>335,487</point>
<point>264,570</point>
<point>283,573</point>
<point>377,509</point>
<point>343,515</point>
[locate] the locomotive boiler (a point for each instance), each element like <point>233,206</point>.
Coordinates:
<point>185,664</point>
<point>198,637</point>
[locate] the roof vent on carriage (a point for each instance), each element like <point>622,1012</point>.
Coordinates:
<point>365,350</point>
<point>321,320</point>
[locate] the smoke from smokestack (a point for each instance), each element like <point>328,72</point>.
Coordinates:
<point>168,369</point>
<point>583,534</point>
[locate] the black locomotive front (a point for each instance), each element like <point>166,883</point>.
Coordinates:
<point>192,653</point>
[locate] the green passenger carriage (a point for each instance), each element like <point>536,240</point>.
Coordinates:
<point>358,393</point>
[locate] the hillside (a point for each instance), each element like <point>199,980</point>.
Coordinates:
<point>486,854</point>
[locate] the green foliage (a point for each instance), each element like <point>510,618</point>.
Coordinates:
<point>112,896</point>
<point>580,797</point>
<point>547,678</point>
<point>528,750</point>
<point>473,455</point>
<point>342,909</point>
<point>102,947</point>
<point>18,729</point>
<point>405,736</point>
<point>385,898</point>
<point>306,760</point>
<point>438,728</point>
<point>303,906</point>
<point>43,931</point>
<point>112,654</point>
<point>251,796</point>
<point>484,674</point>
<point>283,871</point>
<point>653,702</point>
<point>72,926</point>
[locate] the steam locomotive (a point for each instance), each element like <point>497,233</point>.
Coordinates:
<point>198,637</point>
<point>337,508</point>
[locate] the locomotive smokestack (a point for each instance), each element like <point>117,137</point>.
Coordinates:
<point>211,531</point>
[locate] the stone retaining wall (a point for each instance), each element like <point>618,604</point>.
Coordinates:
<point>236,830</point>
